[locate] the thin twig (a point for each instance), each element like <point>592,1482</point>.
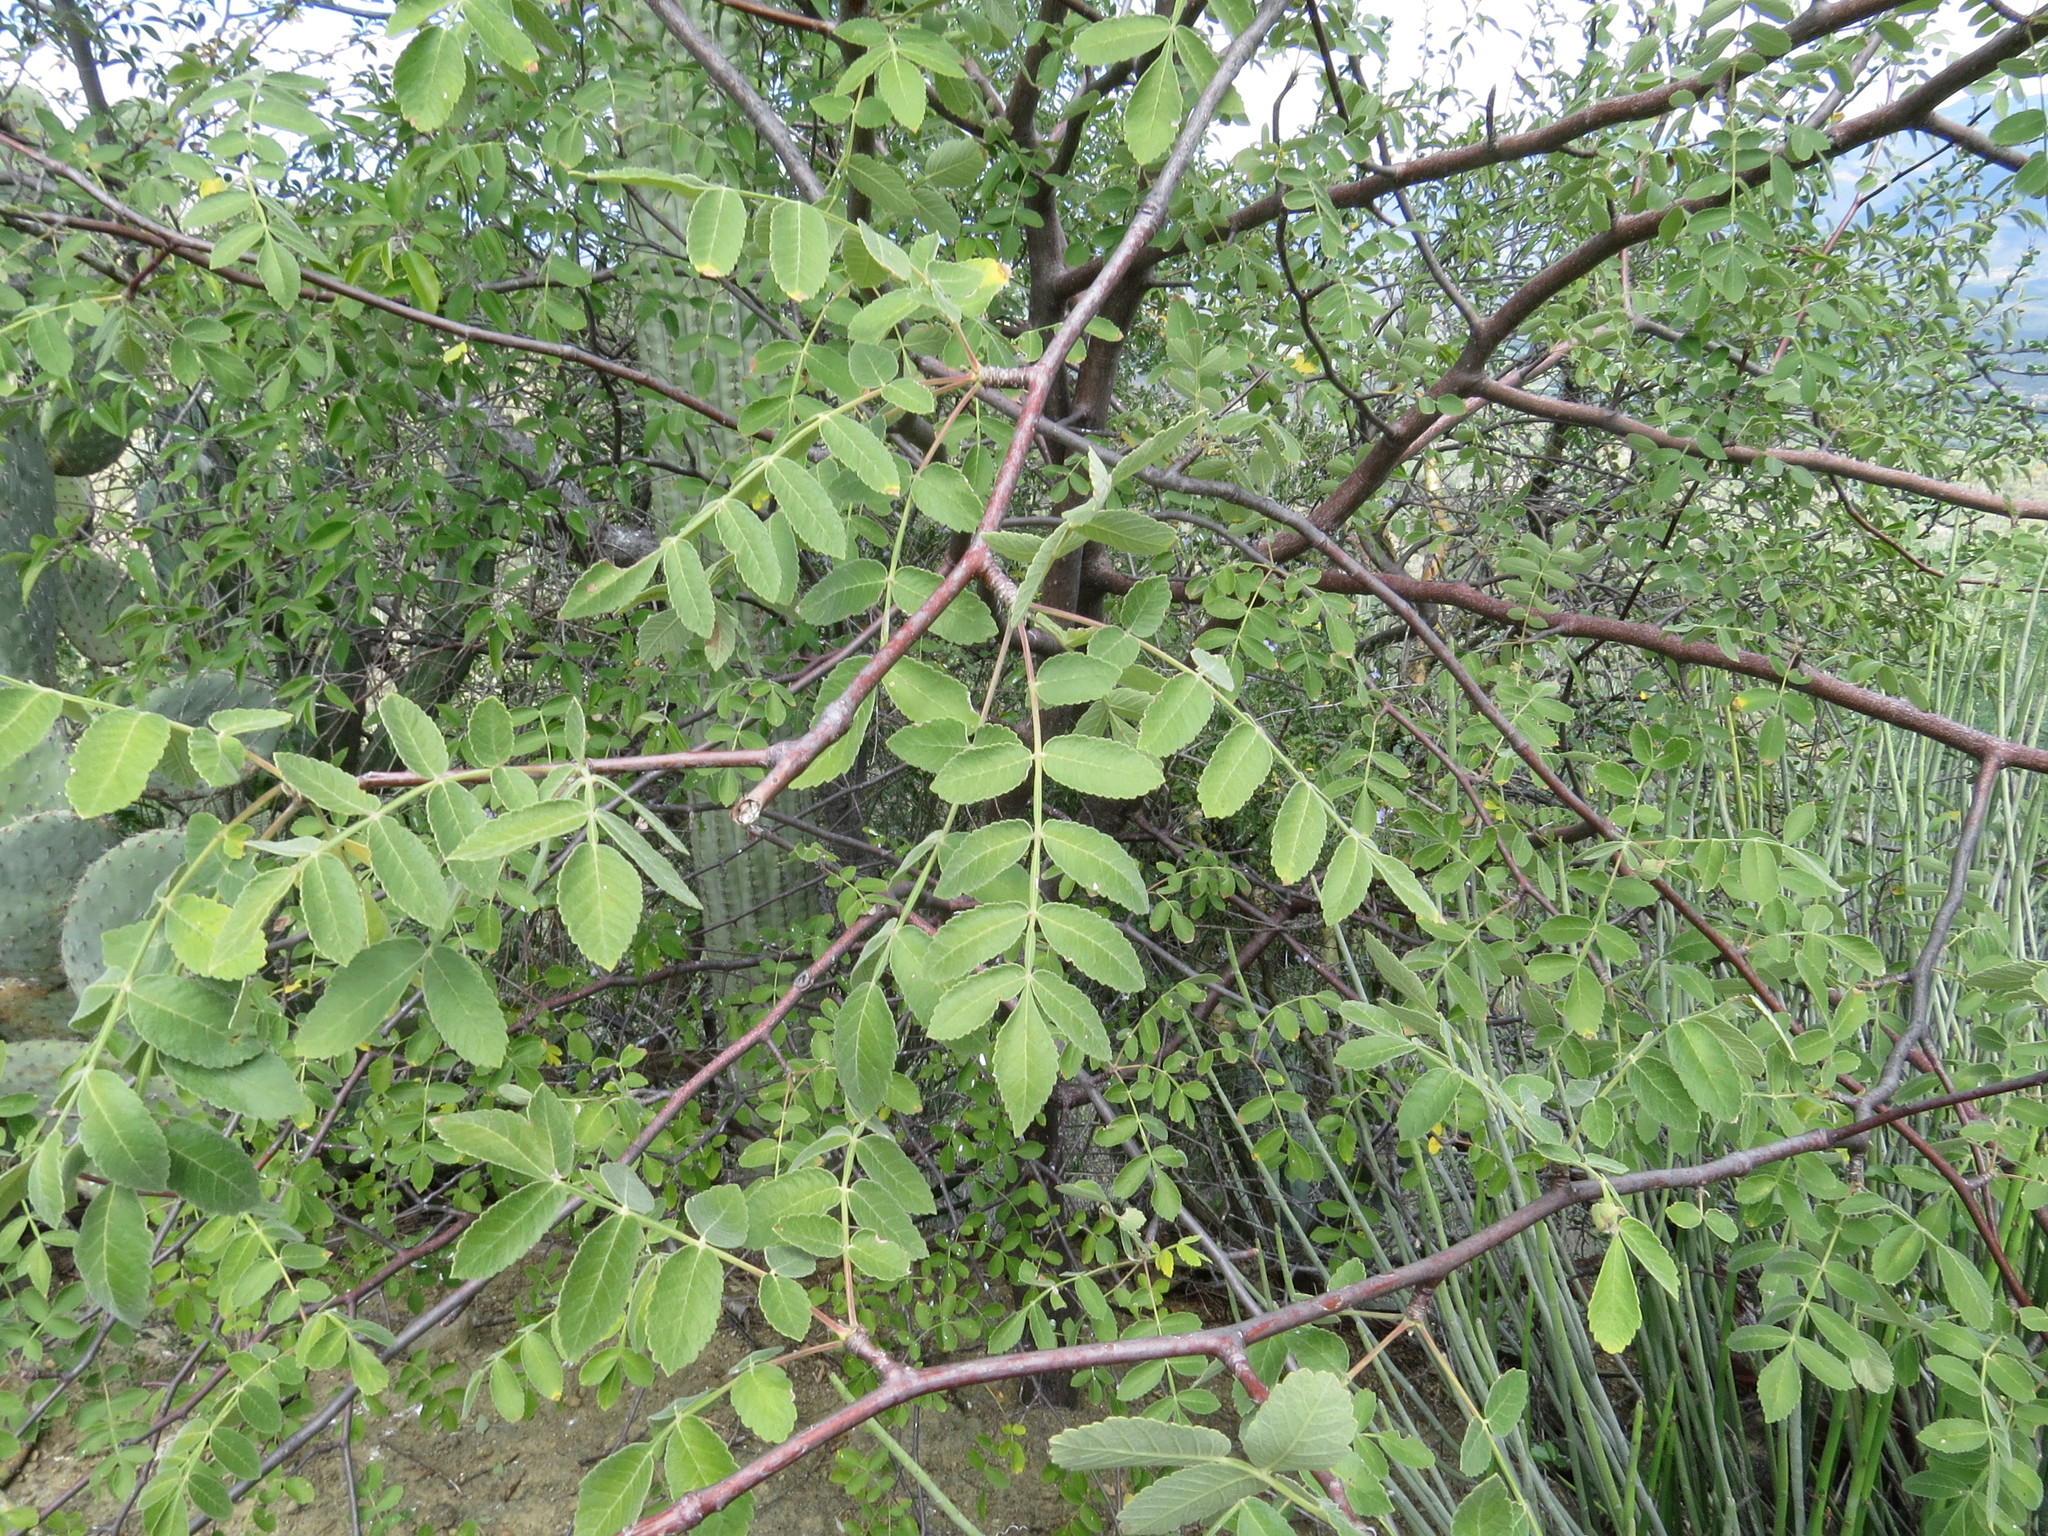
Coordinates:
<point>1919,1009</point>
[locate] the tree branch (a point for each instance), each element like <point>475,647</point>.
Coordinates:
<point>789,19</point>
<point>766,120</point>
<point>837,717</point>
<point>1467,373</point>
<point>652,762</point>
<point>1817,21</point>
<point>1820,462</point>
<point>1226,1344</point>
<point>131,227</point>
<point>1969,139</point>
<point>1919,1009</point>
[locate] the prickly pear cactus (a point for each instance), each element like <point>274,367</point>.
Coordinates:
<point>115,892</point>
<point>35,781</point>
<point>155,517</point>
<point>28,507</point>
<point>190,702</point>
<point>33,1067</point>
<point>76,443</point>
<point>42,858</point>
<point>92,593</point>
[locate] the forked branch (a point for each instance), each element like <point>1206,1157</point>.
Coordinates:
<point>1598,418</point>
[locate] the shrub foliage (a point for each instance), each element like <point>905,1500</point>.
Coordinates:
<point>1361,786</point>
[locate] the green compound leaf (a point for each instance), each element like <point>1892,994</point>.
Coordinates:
<point>359,998</point>
<point>111,764</point>
<point>862,452</point>
<point>1097,863</point>
<point>190,1019</point>
<point>1113,1443</point>
<point>600,1278</point>
<point>1098,766</point>
<point>982,773</point>
<point>506,1233</point>
<point>1305,1425</point>
<point>1120,37</point>
<point>1152,119</point>
<point>520,829</point>
<point>1026,1066</point>
<point>765,1402</point>
<point>26,715</point>
<point>1235,771</point>
<point>684,1313</point>
<point>464,1007</point>
<point>972,861</point>
<point>717,231</point>
<point>119,1133</point>
<point>1091,943</point>
<point>613,1491</point>
<point>812,517</point>
<point>756,553</point>
<point>417,740</point>
<point>325,785</point>
<point>333,908</point>
<point>1176,715</point>
<point>1185,1497</point>
<point>210,1171</point>
<point>429,77</point>
<point>864,1046</point>
<point>799,248</point>
<point>410,874</point>
<point>1298,833</point>
<point>1615,1312</point>
<point>599,897</point>
<point>113,1254</point>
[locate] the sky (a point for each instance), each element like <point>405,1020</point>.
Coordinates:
<point>1493,53</point>
<point>1496,48</point>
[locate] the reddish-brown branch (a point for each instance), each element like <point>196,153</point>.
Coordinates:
<point>837,717</point>
<point>789,19</point>
<point>455,1301</point>
<point>1601,419</point>
<point>1971,141</point>
<point>1519,743</point>
<point>130,226</point>
<point>1814,22</point>
<point>1225,1343</point>
<point>144,274</point>
<point>2014,1286</point>
<point>1549,623</point>
<point>792,757</point>
<point>1467,373</point>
